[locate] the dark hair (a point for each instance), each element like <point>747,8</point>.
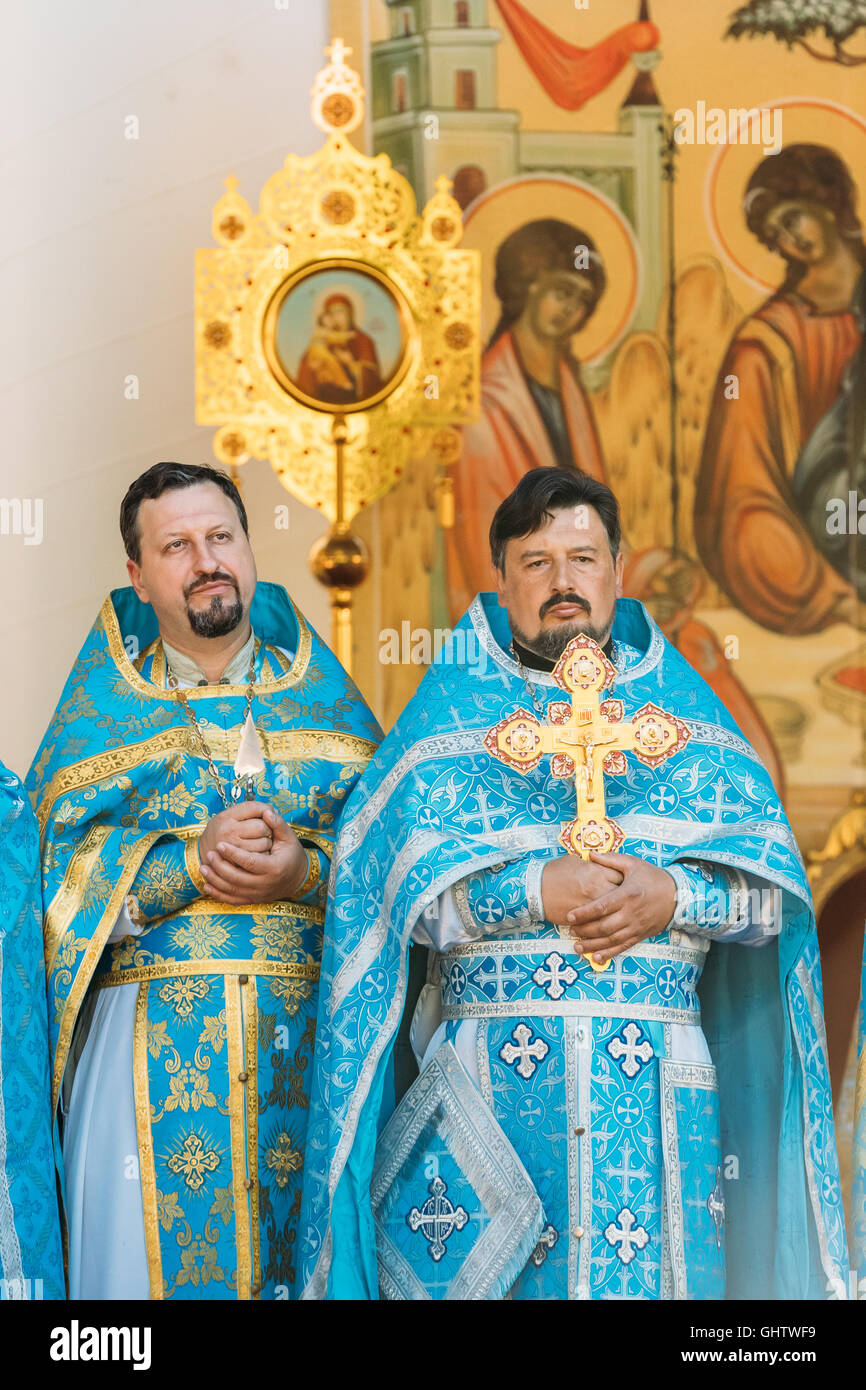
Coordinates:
<point>813,173</point>
<point>162,477</point>
<point>540,493</point>
<point>544,245</point>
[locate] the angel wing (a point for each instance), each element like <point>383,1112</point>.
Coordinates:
<point>706,316</point>
<point>634,411</point>
<point>633,418</point>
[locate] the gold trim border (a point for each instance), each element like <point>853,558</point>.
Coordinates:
<point>214,907</point>
<point>134,678</point>
<point>250,1008</point>
<point>88,963</point>
<point>144,1134</point>
<point>311,877</point>
<point>65,902</point>
<point>237,1107</point>
<point>192,864</point>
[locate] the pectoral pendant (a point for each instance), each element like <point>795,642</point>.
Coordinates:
<point>249,763</point>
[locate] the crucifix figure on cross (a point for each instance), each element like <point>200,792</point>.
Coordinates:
<point>586,738</point>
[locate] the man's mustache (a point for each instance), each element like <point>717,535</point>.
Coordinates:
<point>569,597</point>
<point>211,579</point>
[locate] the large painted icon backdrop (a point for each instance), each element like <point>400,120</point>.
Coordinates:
<point>681,315</point>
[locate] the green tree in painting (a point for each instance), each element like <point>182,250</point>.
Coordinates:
<point>793,21</point>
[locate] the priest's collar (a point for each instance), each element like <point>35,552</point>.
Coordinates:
<point>190,673</point>
<point>534,662</point>
<point>632,628</point>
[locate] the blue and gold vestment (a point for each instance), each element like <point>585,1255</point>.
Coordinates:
<point>31,1264</point>
<point>660,1172</point>
<point>225,996</point>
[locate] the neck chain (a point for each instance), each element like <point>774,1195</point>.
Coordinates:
<point>530,688</point>
<point>180,695</point>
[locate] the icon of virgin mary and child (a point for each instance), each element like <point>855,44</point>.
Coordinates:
<point>340,365</point>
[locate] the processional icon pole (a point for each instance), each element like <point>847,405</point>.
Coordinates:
<point>338,331</point>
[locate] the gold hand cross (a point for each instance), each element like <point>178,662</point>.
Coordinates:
<point>587,738</point>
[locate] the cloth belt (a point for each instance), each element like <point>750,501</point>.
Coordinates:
<point>501,979</point>
<point>174,969</point>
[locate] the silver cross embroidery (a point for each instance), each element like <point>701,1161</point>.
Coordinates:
<point>494,971</point>
<point>626,1172</point>
<point>626,1237</point>
<point>483,813</point>
<point>716,1207</point>
<point>489,909</point>
<point>437,1219</point>
<point>631,1051</point>
<point>550,974</point>
<point>528,1053</point>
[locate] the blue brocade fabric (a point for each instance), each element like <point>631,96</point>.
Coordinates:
<point>31,1264</point>
<point>225,996</point>
<point>622,1143</point>
<point>434,808</point>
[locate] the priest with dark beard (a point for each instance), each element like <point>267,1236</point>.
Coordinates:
<point>189,788</point>
<point>599,1031</point>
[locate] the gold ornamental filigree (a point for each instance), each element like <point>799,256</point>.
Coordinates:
<point>338,207</point>
<point>336,213</point>
<point>338,96</point>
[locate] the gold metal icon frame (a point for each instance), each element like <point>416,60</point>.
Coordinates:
<point>318,270</point>
<point>336,206</point>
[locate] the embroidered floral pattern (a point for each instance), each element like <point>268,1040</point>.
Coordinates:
<point>223,1204</point>
<point>167,1209</point>
<point>189,1089</point>
<point>277,937</point>
<point>291,992</point>
<point>157,1036</point>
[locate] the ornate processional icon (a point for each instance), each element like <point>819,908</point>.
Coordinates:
<point>586,738</point>
<point>338,331</point>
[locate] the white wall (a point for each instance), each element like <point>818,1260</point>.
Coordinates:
<point>96,282</point>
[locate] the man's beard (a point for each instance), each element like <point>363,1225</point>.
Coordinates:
<point>551,642</point>
<point>219,617</point>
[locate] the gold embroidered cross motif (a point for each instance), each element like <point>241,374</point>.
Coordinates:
<point>586,739</point>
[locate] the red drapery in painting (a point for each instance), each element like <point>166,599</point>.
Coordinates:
<point>571,75</point>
